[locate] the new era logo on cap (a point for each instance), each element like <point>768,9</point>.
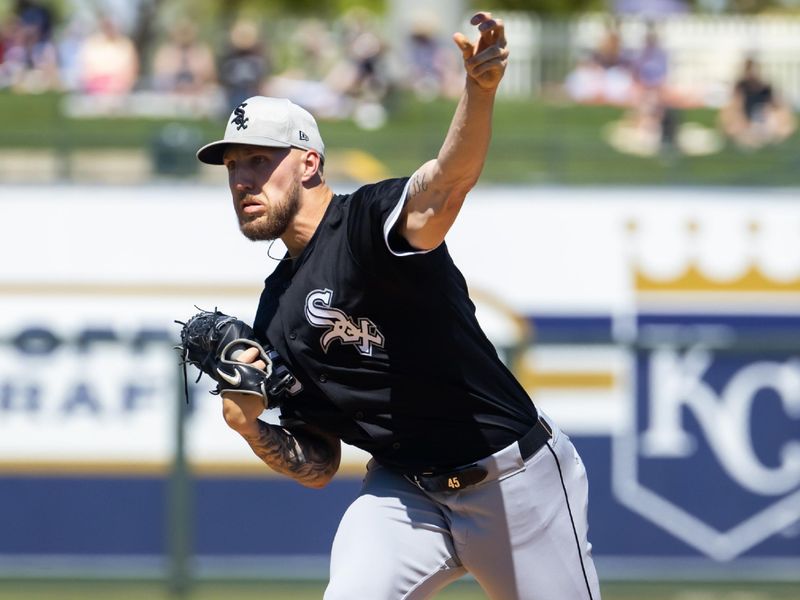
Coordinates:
<point>269,122</point>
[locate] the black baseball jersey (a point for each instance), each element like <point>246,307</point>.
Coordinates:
<point>386,343</point>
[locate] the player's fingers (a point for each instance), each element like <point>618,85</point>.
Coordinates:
<point>500,33</point>
<point>466,47</point>
<point>487,25</point>
<point>496,64</point>
<point>486,30</point>
<point>491,53</point>
<point>493,31</point>
<point>480,17</point>
<point>248,356</point>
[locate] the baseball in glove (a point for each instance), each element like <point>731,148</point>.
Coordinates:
<point>212,341</point>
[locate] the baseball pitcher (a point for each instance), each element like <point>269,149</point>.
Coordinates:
<point>365,333</point>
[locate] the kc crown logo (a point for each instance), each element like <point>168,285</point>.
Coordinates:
<point>364,335</point>
<point>712,450</point>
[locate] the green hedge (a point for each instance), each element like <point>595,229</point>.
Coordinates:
<point>534,142</point>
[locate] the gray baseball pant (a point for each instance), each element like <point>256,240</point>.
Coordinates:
<point>521,532</point>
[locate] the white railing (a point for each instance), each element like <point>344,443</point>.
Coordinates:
<point>705,52</point>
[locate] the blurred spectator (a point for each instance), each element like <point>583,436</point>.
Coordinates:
<point>755,116</point>
<point>651,64</point>
<point>651,125</point>
<point>6,27</point>
<point>69,44</point>
<point>29,58</point>
<point>610,52</point>
<point>109,62</point>
<point>183,64</point>
<point>603,76</point>
<point>591,83</point>
<point>362,74</point>
<point>36,16</point>
<point>345,79</point>
<point>312,51</point>
<point>651,113</point>
<point>432,66</point>
<point>312,54</point>
<point>244,66</point>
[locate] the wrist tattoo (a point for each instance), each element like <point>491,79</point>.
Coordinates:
<point>302,457</point>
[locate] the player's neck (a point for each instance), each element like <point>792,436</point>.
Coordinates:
<point>313,204</point>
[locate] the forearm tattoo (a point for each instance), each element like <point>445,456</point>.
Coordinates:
<point>418,184</point>
<point>305,458</point>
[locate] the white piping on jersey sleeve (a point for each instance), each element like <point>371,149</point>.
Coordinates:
<point>391,221</point>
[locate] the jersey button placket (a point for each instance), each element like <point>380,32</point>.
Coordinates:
<point>292,335</point>
<point>323,378</point>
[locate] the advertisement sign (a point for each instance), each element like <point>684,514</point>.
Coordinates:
<point>659,328</point>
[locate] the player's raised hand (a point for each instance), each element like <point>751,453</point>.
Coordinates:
<point>486,59</point>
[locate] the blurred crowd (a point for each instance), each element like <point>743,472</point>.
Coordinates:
<point>638,79</point>
<point>344,69</point>
<point>336,70</point>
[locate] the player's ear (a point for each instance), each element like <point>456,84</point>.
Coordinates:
<point>312,165</point>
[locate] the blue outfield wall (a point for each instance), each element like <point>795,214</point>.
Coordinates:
<point>701,475</point>
<point>107,516</point>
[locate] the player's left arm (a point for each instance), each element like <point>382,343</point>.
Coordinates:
<point>438,188</point>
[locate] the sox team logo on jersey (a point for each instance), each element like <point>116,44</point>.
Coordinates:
<point>363,334</point>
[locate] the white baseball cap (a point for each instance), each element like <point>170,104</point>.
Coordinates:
<point>270,122</point>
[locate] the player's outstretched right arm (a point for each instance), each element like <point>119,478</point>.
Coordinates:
<point>438,188</point>
<point>308,456</point>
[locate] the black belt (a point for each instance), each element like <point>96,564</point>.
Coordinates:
<point>463,477</point>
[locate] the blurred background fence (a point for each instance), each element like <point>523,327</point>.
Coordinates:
<point>705,51</point>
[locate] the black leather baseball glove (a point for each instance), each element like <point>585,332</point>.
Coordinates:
<point>212,341</point>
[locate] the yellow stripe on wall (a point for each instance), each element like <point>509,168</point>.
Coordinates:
<point>602,380</point>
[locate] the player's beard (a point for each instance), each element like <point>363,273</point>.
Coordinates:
<point>274,222</point>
